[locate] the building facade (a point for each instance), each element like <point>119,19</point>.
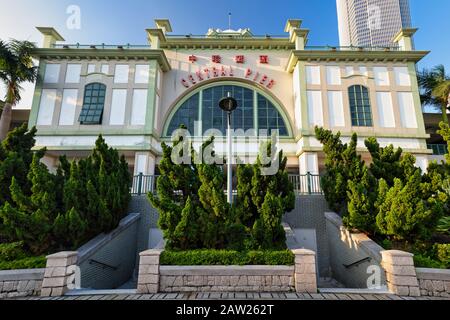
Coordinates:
<point>136,96</point>
<point>371,23</point>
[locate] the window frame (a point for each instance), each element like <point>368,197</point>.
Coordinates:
<point>93,106</point>
<point>361,114</point>
<point>256,92</point>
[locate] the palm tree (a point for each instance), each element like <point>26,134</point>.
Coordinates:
<point>435,89</point>
<point>16,67</point>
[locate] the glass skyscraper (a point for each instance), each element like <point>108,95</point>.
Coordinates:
<point>371,23</point>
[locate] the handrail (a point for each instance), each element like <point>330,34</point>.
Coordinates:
<point>357,263</point>
<point>104,265</point>
<point>275,37</point>
<point>306,184</point>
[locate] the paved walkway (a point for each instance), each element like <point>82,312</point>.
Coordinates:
<point>239,296</point>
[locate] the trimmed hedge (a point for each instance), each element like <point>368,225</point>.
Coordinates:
<point>226,257</point>
<point>25,263</point>
<point>12,256</point>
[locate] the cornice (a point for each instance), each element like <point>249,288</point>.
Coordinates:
<point>353,56</point>
<point>228,43</point>
<point>118,54</point>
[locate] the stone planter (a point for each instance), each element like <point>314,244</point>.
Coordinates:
<point>155,278</point>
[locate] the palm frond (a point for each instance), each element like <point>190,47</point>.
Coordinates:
<point>16,67</point>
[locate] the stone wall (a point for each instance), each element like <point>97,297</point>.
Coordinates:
<point>434,282</point>
<point>21,283</point>
<point>227,279</point>
<point>347,248</point>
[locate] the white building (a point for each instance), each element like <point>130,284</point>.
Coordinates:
<point>371,23</point>
<point>136,96</point>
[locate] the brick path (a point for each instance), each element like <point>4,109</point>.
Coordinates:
<point>239,296</point>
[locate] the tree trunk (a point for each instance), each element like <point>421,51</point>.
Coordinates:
<point>444,113</point>
<point>5,121</point>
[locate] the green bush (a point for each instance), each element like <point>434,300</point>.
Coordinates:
<point>444,225</point>
<point>24,263</point>
<point>226,257</point>
<point>421,261</point>
<point>11,251</point>
<point>442,252</point>
<point>197,215</point>
<point>49,212</point>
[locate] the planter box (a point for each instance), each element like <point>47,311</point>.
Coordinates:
<point>154,278</point>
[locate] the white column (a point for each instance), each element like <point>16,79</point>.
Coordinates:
<point>422,162</point>
<point>309,162</point>
<point>144,163</point>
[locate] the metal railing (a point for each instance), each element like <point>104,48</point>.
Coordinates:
<point>306,184</point>
<point>303,184</point>
<point>143,184</point>
<point>100,46</point>
<point>146,46</point>
<point>352,48</point>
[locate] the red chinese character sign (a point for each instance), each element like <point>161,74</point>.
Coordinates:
<point>264,59</point>
<point>239,59</point>
<point>216,59</point>
<point>211,72</point>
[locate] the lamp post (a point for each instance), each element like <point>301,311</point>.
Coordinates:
<point>228,105</point>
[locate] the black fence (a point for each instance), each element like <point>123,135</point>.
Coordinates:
<point>303,184</point>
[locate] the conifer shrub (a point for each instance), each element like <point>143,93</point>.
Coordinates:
<point>194,213</point>
<point>49,212</point>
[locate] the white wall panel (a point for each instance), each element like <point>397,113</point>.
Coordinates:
<point>118,107</point>
<point>336,109</point>
<point>333,75</point>
<point>121,73</point>
<point>73,73</point>
<point>105,68</point>
<point>68,107</point>
<point>381,75</point>
<point>91,68</point>
<point>46,107</point>
<point>407,110</point>
<point>52,73</point>
<point>139,109</point>
<point>402,77</point>
<point>142,73</point>
<point>385,110</point>
<point>313,75</point>
<point>315,110</point>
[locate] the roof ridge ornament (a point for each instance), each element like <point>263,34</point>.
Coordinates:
<point>229,33</point>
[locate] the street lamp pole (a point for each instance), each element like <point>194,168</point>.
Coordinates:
<point>228,105</point>
<point>230,162</point>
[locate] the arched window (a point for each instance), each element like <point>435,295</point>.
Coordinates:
<point>360,106</point>
<point>254,111</point>
<point>93,104</point>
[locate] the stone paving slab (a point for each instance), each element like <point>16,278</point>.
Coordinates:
<point>237,296</point>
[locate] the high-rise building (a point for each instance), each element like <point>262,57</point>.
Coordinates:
<point>371,23</point>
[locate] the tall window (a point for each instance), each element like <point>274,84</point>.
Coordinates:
<point>204,107</point>
<point>93,104</point>
<point>360,106</point>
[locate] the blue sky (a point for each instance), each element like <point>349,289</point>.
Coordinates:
<point>114,21</point>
